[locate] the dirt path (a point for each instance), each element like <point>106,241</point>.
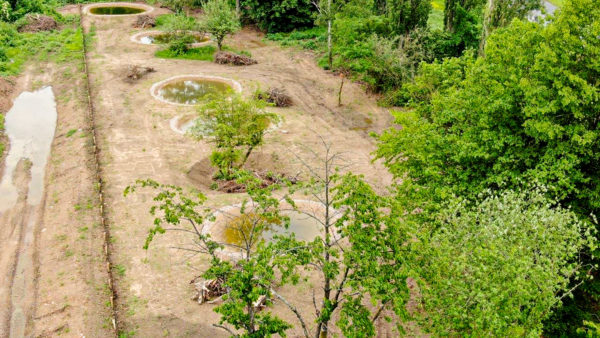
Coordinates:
<point>51,254</point>
<point>136,141</point>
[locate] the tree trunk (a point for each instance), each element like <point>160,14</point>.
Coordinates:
<point>237,7</point>
<point>449,14</point>
<point>489,11</point>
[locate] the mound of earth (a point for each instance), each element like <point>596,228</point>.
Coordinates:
<point>228,58</point>
<point>144,21</point>
<point>39,23</point>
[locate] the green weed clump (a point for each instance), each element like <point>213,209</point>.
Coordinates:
<point>205,53</point>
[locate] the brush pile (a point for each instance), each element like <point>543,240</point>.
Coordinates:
<point>144,21</point>
<point>38,23</point>
<point>228,58</point>
<point>276,96</point>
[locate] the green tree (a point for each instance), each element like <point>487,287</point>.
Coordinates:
<point>263,267</point>
<point>499,13</point>
<point>236,126</point>
<point>527,112</point>
<point>498,268</point>
<point>453,10</point>
<point>220,20</point>
<point>359,232</point>
<point>406,15</point>
<point>280,15</point>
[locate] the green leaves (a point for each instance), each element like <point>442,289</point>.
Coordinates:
<point>236,126</point>
<point>499,268</point>
<point>220,19</point>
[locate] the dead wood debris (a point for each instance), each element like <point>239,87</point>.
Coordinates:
<point>228,58</point>
<point>135,72</point>
<point>267,178</point>
<point>39,23</point>
<point>144,21</point>
<point>208,291</point>
<point>276,96</point>
<point>212,291</point>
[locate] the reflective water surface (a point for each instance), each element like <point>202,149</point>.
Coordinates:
<point>116,10</point>
<point>30,126</point>
<point>191,91</point>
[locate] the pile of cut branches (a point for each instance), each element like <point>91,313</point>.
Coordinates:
<point>228,58</point>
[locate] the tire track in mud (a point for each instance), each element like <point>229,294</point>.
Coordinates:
<point>99,180</point>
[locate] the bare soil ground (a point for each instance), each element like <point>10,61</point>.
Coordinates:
<point>60,289</point>
<point>137,142</point>
<point>69,292</point>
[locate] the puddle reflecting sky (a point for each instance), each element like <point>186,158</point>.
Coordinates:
<point>30,126</point>
<point>191,91</point>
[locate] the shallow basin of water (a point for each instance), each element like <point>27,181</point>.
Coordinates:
<point>191,90</point>
<point>239,228</point>
<point>30,126</point>
<point>117,9</point>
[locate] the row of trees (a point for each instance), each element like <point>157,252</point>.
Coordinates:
<point>526,112</point>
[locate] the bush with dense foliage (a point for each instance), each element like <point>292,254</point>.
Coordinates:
<point>527,112</point>
<point>280,15</point>
<point>498,268</point>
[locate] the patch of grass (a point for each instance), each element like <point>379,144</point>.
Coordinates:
<point>58,46</point>
<point>202,53</point>
<point>436,17</point>
<point>205,53</point>
<point>120,270</point>
<point>557,3</point>
<point>71,132</point>
<point>313,38</point>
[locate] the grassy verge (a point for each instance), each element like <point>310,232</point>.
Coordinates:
<point>436,17</point>
<point>59,46</point>
<point>557,3</point>
<point>205,53</point>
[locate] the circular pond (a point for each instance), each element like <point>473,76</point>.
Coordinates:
<point>189,90</point>
<point>158,37</point>
<point>233,229</point>
<point>117,9</point>
<point>181,124</point>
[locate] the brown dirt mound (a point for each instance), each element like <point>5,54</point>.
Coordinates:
<point>134,72</point>
<point>228,58</point>
<point>39,23</point>
<point>6,89</point>
<point>276,96</point>
<point>144,21</point>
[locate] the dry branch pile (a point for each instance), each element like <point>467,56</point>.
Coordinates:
<point>38,23</point>
<point>232,187</point>
<point>212,290</point>
<point>135,72</point>
<point>276,96</point>
<point>144,21</point>
<point>228,58</point>
<point>208,290</point>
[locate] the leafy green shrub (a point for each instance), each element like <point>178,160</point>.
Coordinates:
<point>178,47</point>
<point>280,15</point>
<point>202,53</point>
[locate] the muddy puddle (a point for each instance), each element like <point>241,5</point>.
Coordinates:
<point>30,126</point>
